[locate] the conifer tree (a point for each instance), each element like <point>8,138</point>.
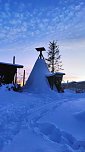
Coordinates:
<point>53,61</point>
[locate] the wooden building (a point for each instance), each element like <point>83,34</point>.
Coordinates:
<point>55,80</point>
<point>8,72</point>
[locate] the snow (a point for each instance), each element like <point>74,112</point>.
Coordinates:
<point>10,64</point>
<point>56,73</point>
<point>65,118</point>
<point>46,122</point>
<point>80,115</point>
<point>37,81</point>
<point>30,143</point>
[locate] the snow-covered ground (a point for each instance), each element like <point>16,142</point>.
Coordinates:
<point>47,122</point>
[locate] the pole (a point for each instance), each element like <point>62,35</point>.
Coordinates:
<point>16,77</point>
<point>13,59</point>
<point>24,78</point>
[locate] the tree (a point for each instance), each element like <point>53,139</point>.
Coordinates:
<point>53,61</point>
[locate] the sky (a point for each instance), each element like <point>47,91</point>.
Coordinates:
<point>27,24</point>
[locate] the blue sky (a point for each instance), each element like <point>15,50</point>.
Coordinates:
<point>26,24</point>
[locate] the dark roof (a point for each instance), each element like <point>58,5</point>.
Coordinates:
<point>40,49</point>
<point>11,65</point>
<point>59,73</point>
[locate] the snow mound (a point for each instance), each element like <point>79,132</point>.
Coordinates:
<point>80,115</point>
<point>37,81</point>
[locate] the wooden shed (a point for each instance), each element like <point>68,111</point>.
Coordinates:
<point>8,72</point>
<point>55,80</point>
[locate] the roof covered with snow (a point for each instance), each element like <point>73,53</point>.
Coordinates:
<point>12,65</point>
<point>56,74</point>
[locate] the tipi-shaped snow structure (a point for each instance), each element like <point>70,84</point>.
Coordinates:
<point>39,79</point>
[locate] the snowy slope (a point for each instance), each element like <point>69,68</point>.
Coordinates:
<point>69,117</point>
<point>42,122</point>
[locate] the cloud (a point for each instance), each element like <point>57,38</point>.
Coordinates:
<point>18,23</point>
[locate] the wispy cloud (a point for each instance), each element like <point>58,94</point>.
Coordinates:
<point>18,23</point>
